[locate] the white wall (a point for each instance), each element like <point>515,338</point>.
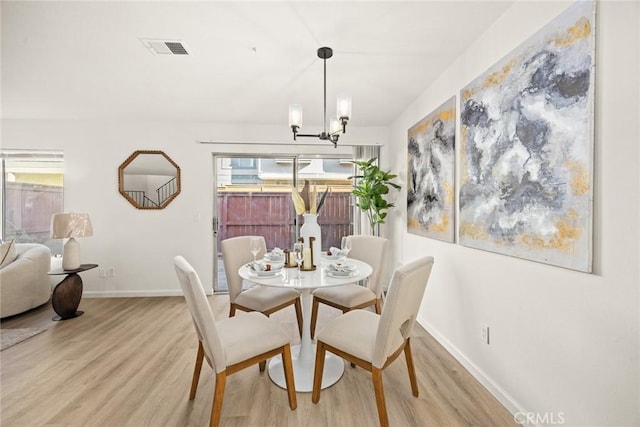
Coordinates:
<point>141,244</point>
<point>561,341</point>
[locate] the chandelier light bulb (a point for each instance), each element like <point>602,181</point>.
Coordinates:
<point>295,115</point>
<point>334,125</point>
<point>344,106</point>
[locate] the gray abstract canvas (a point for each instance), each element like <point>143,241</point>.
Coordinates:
<point>527,147</point>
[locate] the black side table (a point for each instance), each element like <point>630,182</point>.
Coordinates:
<point>68,293</point>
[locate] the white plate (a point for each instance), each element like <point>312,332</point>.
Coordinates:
<point>274,258</point>
<point>270,273</point>
<point>331,257</point>
<point>341,275</point>
<point>343,266</point>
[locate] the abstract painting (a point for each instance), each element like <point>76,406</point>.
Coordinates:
<point>527,147</point>
<point>431,174</point>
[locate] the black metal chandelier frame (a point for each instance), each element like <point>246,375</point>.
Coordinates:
<point>324,53</point>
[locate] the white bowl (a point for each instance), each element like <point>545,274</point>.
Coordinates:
<point>274,265</point>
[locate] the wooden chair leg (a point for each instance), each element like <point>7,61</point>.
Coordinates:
<point>232,310</point>
<point>412,370</point>
<point>378,306</point>
<point>318,371</point>
<point>379,391</point>
<point>314,316</point>
<point>218,396</point>
<point>298,305</point>
<point>196,371</point>
<point>288,376</point>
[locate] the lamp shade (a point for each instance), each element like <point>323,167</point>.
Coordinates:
<point>344,106</point>
<point>295,115</point>
<point>334,125</point>
<point>68,225</point>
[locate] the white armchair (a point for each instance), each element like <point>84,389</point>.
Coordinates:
<point>25,283</point>
<point>373,251</point>
<point>374,341</point>
<point>266,300</point>
<point>232,344</point>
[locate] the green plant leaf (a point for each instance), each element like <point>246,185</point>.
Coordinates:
<point>371,186</point>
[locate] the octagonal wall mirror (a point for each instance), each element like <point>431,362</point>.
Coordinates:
<point>149,179</point>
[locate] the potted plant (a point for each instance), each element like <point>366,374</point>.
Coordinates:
<point>370,189</point>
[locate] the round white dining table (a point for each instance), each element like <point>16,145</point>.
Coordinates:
<point>303,354</point>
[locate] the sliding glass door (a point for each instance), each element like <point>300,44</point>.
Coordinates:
<point>252,196</point>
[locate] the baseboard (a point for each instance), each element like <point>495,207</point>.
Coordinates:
<point>503,397</point>
<point>135,294</point>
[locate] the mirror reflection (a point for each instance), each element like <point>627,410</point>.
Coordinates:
<point>149,179</point>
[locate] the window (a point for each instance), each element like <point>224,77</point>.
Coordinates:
<point>243,163</point>
<point>32,190</point>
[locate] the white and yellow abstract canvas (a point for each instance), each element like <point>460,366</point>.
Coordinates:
<point>526,155</point>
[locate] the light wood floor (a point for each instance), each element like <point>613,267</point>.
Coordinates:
<point>128,362</point>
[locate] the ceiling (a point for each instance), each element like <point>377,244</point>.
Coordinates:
<point>247,60</point>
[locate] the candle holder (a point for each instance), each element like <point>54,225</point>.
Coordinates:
<point>313,266</point>
<point>289,262</point>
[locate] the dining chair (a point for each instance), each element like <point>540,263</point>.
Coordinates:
<point>372,250</point>
<point>231,344</point>
<point>265,299</point>
<point>374,341</point>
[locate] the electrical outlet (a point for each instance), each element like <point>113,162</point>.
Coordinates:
<point>102,272</point>
<point>111,272</point>
<point>484,333</point>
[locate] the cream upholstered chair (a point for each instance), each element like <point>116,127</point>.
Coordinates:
<point>266,300</point>
<point>373,341</point>
<point>232,344</point>
<point>373,251</point>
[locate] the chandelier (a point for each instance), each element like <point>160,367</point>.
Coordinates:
<point>338,123</point>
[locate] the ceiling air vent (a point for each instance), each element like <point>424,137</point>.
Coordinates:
<point>165,47</point>
<point>177,48</point>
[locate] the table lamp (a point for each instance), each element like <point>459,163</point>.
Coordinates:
<point>70,225</point>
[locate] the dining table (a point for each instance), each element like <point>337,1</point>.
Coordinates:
<point>306,282</point>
